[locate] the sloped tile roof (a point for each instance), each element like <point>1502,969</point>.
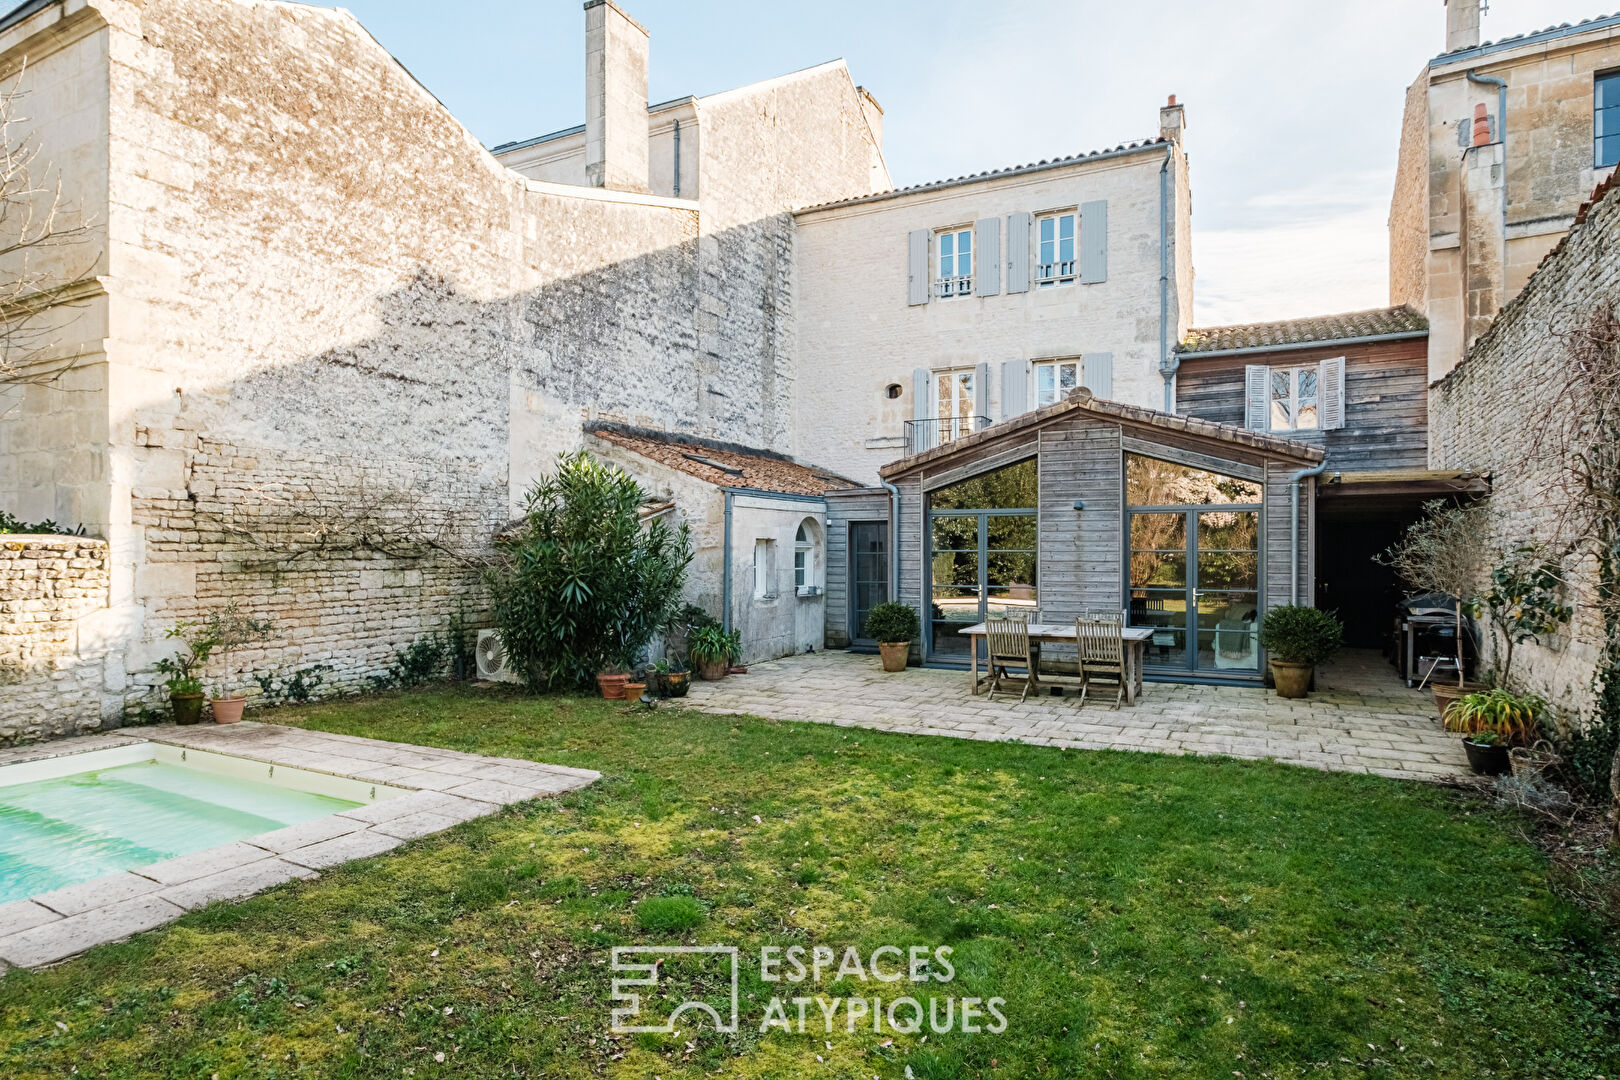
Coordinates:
<point>1084,400</point>
<point>1533,37</point>
<point>1378,322</point>
<point>993,174</point>
<point>722,464</point>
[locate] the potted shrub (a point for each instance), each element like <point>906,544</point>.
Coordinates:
<point>673,679</point>
<point>713,649</point>
<point>1297,639</point>
<point>1492,722</point>
<point>230,630</point>
<point>181,671</point>
<point>893,625</point>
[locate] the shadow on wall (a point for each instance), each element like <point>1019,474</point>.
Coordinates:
<point>348,497</point>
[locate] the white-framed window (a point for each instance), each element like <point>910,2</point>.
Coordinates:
<point>1055,380</point>
<point>1055,237</point>
<point>953,405</point>
<point>1294,394</point>
<point>805,559</point>
<point>764,569</point>
<point>954,270</point>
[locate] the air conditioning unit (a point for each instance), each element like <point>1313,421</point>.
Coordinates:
<point>491,657</point>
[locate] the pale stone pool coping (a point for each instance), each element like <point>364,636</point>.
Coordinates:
<point>446,788</point>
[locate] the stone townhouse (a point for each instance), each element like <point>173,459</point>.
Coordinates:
<point>1500,144</point>
<point>927,313</point>
<point>330,339</point>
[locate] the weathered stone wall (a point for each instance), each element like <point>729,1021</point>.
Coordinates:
<point>51,671</point>
<point>1409,208</point>
<point>1483,417</point>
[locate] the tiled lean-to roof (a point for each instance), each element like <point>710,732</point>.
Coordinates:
<point>722,464</point>
<point>1353,325</point>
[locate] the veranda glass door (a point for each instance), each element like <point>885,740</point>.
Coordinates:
<point>982,557</point>
<point>1194,566</point>
<point>869,574</point>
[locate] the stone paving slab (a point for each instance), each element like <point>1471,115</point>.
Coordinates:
<point>448,787</point>
<point>1361,719</point>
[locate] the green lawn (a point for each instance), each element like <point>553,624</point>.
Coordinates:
<point>1142,916</point>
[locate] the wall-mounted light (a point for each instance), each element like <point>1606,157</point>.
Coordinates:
<point>1079,504</point>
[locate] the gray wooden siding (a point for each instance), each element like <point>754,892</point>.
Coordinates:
<point>1278,567</point>
<point>1386,422</point>
<point>842,511</point>
<point>1080,554</point>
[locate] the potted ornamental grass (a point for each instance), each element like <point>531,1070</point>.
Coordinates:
<point>1492,722</point>
<point>713,649</point>
<point>672,678</point>
<point>893,626</point>
<point>230,629</point>
<point>1297,639</point>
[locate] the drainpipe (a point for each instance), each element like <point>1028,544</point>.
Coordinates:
<point>894,540</point>
<point>1166,361</point>
<point>725,588</point>
<point>1293,528</point>
<point>677,159</point>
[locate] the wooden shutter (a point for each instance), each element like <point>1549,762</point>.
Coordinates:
<point>1330,393</point>
<point>1014,388</point>
<point>987,274</point>
<point>1098,374</point>
<point>922,409</point>
<point>917,267</point>
<point>1017,253</point>
<point>1094,242</point>
<point>1257,397</point>
<point>981,390</point>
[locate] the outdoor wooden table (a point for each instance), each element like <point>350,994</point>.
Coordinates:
<point>1136,639</point>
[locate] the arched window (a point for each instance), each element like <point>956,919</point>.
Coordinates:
<point>804,556</point>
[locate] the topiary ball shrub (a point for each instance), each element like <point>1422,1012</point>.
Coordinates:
<point>892,622</point>
<point>669,913</point>
<point>1301,635</point>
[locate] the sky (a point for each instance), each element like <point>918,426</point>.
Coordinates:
<point>1293,106</point>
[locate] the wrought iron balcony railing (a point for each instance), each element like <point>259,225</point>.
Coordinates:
<point>926,434</point>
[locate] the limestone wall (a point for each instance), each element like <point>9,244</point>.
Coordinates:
<point>1483,417</point>
<point>52,675</point>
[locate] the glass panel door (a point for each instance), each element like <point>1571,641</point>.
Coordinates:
<point>1195,580</point>
<point>1160,592</point>
<point>954,572</point>
<point>868,573</point>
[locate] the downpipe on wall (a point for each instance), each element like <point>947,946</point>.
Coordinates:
<point>725,573</point>
<point>1293,528</point>
<point>1167,363</point>
<point>894,543</point>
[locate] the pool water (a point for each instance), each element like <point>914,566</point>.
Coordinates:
<point>75,828</point>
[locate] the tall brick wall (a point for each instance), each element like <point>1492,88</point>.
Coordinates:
<point>51,682</point>
<point>1483,418</point>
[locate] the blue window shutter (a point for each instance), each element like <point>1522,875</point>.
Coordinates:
<point>981,390</point>
<point>917,267</point>
<point>1017,253</point>
<point>922,410</point>
<point>987,275</point>
<point>1257,397</point>
<point>1094,242</point>
<point>1098,373</point>
<point>1014,389</point>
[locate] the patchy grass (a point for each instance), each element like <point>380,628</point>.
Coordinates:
<point>1142,916</point>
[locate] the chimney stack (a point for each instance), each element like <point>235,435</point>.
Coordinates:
<point>1462,25</point>
<point>615,98</point>
<point>1172,121</point>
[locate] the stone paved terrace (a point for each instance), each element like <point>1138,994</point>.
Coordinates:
<point>445,787</point>
<point>1362,718</point>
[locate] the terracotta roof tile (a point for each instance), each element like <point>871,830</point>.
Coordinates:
<point>1379,322</point>
<point>722,464</point>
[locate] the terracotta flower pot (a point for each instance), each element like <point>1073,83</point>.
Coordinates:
<point>1293,680</point>
<point>187,708</point>
<point>228,710</point>
<point>612,686</point>
<point>895,654</point>
<point>712,672</point>
<point>634,690</point>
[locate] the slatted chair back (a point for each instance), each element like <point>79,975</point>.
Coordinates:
<point>1100,644</point>
<point>1009,640</point>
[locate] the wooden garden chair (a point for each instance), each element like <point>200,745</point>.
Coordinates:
<point>1100,643</point>
<point>1009,644</point>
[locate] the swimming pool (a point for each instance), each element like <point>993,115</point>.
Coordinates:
<point>76,818</point>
